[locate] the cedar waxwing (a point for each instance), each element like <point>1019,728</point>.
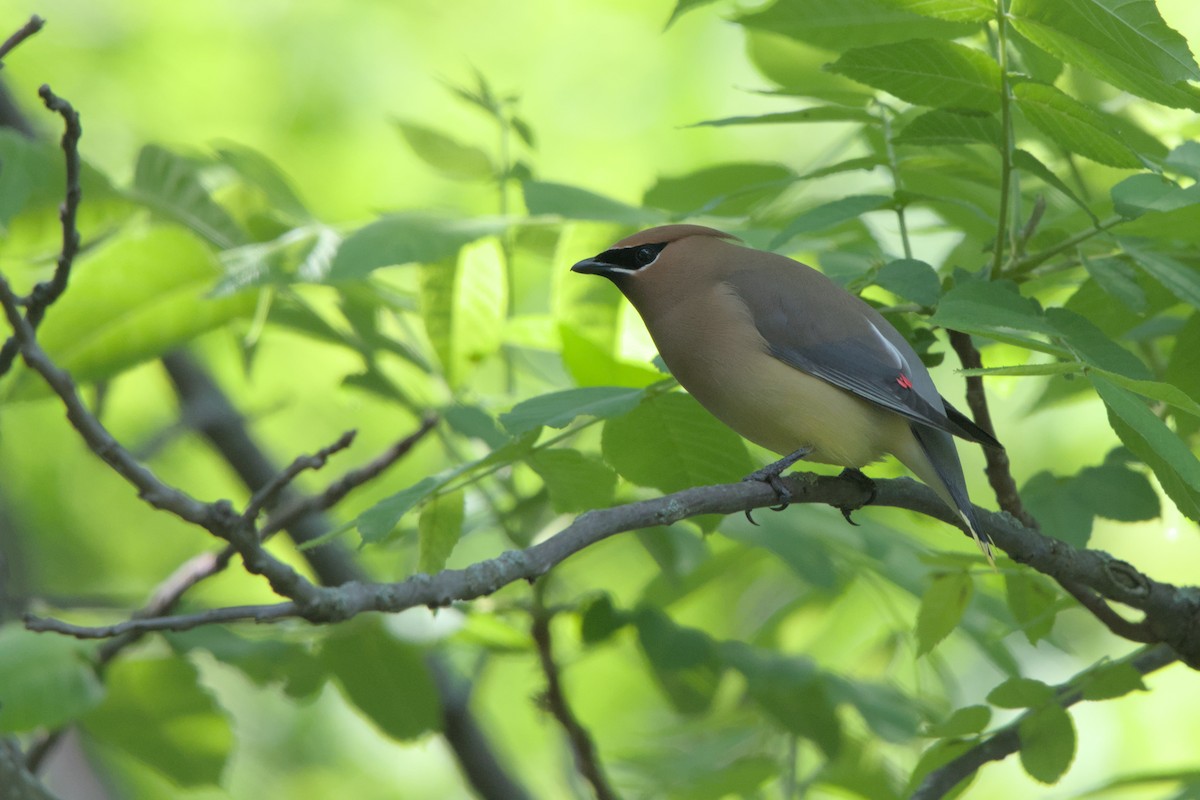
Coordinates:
<point>789,359</point>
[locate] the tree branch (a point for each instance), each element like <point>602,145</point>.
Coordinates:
<point>587,761</point>
<point>16,780</point>
<point>46,292</point>
<point>1007,740</point>
<point>999,473</point>
<point>31,27</point>
<point>1172,613</point>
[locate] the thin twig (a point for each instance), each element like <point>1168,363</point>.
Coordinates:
<point>31,27</point>
<point>1007,740</point>
<point>587,760</point>
<point>336,491</point>
<point>179,622</point>
<point>45,293</point>
<point>998,469</point>
<point>1101,610</point>
<point>265,496</point>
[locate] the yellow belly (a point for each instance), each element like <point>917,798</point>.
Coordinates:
<point>721,359</point>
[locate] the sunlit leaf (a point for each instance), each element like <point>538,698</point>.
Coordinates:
<point>446,154</point>
<point>670,443</point>
<point>464,305</point>
<point>941,127</point>
<point>262,173</point>
<point>1047,743</point>
<point>1125,42</point>
<point>842,24</point>
<point>942,606</point>
<point>1021,693</point>
<point>963,722</point>
<point>829,215</point>
<point>1031,599</point>
<point>438,530</point>
<point>575,481</point>
<point>1073,126</point>
<point>45,681</point>
<point>572,202</point>
<point>170,185</point>
<point>816,114</point>
<point>409,238</point>
<point>927,72</point>
<point>951,10</point>
<point>157,712</point>
<point>911,279</point>
<point>559,409</point>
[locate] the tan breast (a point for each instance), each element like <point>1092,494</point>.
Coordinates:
<point>717,354</point>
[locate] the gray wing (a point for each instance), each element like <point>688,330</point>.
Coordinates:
<point>847,343</point>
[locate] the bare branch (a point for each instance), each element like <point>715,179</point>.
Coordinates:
<point>31,27</point>
<point>46,292</point>
<point>1133,631</point>
<point>587,761</point>
<point>17,780</point>
<point>266,495</point>
<point>1172,613</point>
<point>335,492</point>
<point>179,622</point>
<point>1007,740</point>
<point>999,473</point>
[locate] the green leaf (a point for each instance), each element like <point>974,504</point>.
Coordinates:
<point>950,10</point>
<point>1183,367</point>
<point>1118,279</point>
<point>789,690</point>
<point>385,678</point>
<point>464,306</point>
<point>170,185</point>
<point>1027,162</point>
<point>997,310</point>
<point>571,202</point>
<point>941,127</point>
<point>927,72</point>
<point>1047,743</point>
<point>1178,278</point>
<point>1185,160</point>
<point>1149,438</point>
<point>724,190</point>
<point>156,711</point>
<point>889,712</point>
<point>378,521</point>
<point>447,155</point>
<point>815,114</point>
<point>942,607</point>
<point>830,215</point>
<point>600,620</point>
<point>1073,126</point>
<point>132,299</point>
<point>1090,344</point>
<point>1149,191</point>
<point>682,659</point>
<point>1059,507</point>
<point>438,530</point>
<point>576,482</point>
<point>1110,681</point>
<point>963,722</point>
<point>265,661</point>
<point>1155,390</point>
<point>1125,42</point>
<point>682,7</point>
<point>1021,693</point>
<point>842,24</point>
<point>407,238</point>
<point>560,409</point>
<point>474,423</point>
<point>670,443</point>
<point>911,279</point>
<point>1032,601</point>
<point>45,680</point>
<point>263,174</point>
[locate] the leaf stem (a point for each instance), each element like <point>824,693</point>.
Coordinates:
<point>1006,151</point>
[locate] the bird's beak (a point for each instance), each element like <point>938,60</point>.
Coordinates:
<point>590,266</point>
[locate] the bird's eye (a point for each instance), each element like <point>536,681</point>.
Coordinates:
<point>646,255</point>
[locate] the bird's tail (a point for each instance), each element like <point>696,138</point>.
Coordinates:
<point>942,471</point>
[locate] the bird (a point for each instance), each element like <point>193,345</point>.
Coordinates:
<point>790,360</point>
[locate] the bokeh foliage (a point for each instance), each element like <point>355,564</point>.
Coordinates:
<point>1027,178</point>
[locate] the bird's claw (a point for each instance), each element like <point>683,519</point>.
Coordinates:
<point>770,475</point>
<point>863,481</point>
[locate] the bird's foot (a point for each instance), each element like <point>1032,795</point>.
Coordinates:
<point>863,481</point>
<point>770,475</point>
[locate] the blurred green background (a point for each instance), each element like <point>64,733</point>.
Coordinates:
<point>610,95</point>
